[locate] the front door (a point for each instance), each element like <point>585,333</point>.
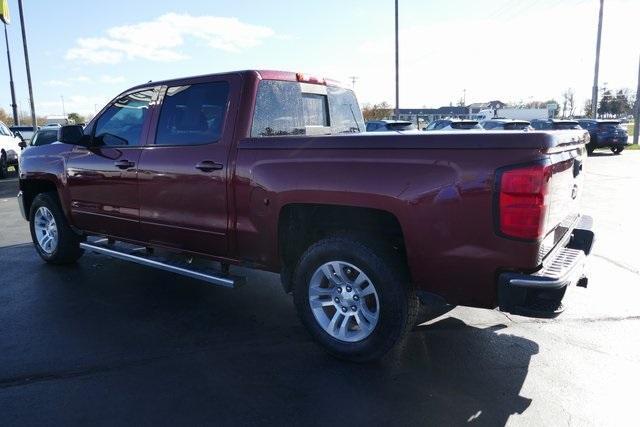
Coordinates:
<point>103,178</point>
<point>183,172</point>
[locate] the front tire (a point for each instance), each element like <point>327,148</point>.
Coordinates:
<point>4,172</point>
<point>353,297</point>
<point>617,150</point>
<point>55,241</point>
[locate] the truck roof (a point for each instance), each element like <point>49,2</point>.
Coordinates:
<point>291,76</point>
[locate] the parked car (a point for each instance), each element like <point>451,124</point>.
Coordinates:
<point>506,124</point>
<point>606,134</point>
<point>453,124</point>
<point>362,228</point>
<point>554,124</point>
<point>9,150</point>
<point>389,125</point>
<point>45,135</point>
<point>26,132</point>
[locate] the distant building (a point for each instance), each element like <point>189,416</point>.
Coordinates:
<point>491,105</point>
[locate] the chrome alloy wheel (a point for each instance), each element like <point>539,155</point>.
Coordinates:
<point>46,230</point>
<point>344,301</point>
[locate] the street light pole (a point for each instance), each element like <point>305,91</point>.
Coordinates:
<point>26,61</point>
<point>14,107</point>
<point>397,112</point>
<point>636,118</point>
<point>594,93</point>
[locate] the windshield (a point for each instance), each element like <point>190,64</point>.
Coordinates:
<point>610,126</point>
<point>566,125</point>
<point>465,125</point>
<point>289,108</point>
<point>401,126</point>
<point>516,126</point>
<point>44,138</point>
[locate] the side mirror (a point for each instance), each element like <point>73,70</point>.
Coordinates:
<point>73,134</point>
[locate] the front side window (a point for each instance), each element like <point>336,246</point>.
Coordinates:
<point>283,108</point>
<point>122,123</point>
<point>193,114</point>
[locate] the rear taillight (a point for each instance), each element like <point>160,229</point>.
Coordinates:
<point>523,201</point>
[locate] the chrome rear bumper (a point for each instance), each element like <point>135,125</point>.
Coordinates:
<point>540,294</point>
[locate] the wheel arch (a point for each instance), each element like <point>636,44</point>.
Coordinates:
<point>302,224</point>
<point>32,187</point>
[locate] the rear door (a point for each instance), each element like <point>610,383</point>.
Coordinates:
<point>183,173</point>
<point>102,179</point>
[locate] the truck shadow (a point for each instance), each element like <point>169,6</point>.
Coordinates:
<point>192,353</point>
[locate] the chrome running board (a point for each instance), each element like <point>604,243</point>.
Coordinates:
<point>140,255</point>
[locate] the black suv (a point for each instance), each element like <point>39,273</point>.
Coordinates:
<point>605,133</point>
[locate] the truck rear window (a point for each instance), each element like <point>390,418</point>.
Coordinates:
<point>291,108</point>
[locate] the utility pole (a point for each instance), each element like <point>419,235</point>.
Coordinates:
<point>14,107</point>
<point>62,99</point>
<point>353,79</point>
<point>636,116</point>
<point>397,112</point>
<point>26,62</point>
<point>594,93</point>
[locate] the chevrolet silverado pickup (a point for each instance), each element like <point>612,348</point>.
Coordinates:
<point>274,171</point>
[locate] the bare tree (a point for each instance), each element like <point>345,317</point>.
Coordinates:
<point>376,111</point>
<point>565,101</point>
<point>571,101</point>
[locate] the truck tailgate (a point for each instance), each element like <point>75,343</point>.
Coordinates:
<point>564,194</point>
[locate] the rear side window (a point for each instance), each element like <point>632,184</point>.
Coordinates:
<point>284,108</point>
<point>193,114</point>
<point>121,124</point>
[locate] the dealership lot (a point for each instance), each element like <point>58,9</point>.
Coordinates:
<point>105,338</point>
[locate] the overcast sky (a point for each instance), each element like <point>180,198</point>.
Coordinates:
<point>512,50</point>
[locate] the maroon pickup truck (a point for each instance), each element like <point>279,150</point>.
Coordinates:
<point>273,170</point>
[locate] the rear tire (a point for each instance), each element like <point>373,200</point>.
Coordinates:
<point>590,149</point>
<point>353,297</point>
<point>55,241</point>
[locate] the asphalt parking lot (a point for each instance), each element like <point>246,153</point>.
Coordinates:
<point>106,342</point>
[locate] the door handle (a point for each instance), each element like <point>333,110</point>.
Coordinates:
<point>124,164</point>
<point>208,166</point>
